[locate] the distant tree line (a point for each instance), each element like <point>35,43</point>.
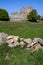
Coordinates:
<point>33,16</point>
<point>4,15</point>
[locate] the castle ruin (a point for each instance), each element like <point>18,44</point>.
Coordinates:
<point>22,15</point>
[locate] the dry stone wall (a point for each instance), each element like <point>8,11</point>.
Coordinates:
<point>14,41</point>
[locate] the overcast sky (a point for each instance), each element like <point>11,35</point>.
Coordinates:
<point>15,5</point>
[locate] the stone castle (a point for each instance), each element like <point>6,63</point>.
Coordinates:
<point>22,15</point>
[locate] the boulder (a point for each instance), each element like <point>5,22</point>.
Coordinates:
<point>9,39</point>
<point>27,41</point>
<point>31,45</point>
<point>22,44</point>
<point>16,38</point>
<point>3,37</point>
<point>12,41</point>
<point>13,45</point>
<point>38,40</point>
<point>16,44</point>
<point>37,47</point>
<point>34,46</point>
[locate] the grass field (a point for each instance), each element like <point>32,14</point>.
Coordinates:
<point>22,29</point>
<point>20,56</point>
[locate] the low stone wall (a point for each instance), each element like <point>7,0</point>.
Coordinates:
<point>13,41</point>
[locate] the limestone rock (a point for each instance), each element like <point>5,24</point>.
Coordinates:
<point>27,41</point>
<point>38,40</point>
<point>12,41</point>
<point>16,44</point>
<point>30,45</point>
<point>16,38</point>
<point>37,47</point>
<point>9,39</point>
<point>3,37</point>
<point>22,44</point>
<point>34,46</point>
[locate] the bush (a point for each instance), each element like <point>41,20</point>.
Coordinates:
<point>4,15</point>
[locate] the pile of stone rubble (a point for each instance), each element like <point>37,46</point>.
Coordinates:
<point>13,41</point>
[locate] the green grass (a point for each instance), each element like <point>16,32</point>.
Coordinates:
<point>20,56</point>
<point>22,29</point>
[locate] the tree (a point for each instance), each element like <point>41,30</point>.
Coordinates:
<point>4,15</point>
<point>32,16</point>
<point>39,17</point>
